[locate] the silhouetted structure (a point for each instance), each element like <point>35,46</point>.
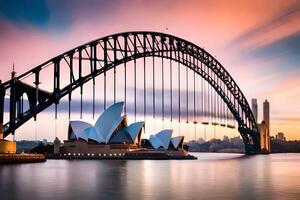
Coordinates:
<point>223,102</point>
<point>254,108</point>
<point>266,113</point>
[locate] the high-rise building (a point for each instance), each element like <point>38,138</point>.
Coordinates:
<point>266,113</point>
<point>254,108</point>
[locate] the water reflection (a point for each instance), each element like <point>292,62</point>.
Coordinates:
<point>213,176</point>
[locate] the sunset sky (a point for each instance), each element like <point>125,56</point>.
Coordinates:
<point>257,41</point>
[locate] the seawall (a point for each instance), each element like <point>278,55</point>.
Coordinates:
<point>21,158</point>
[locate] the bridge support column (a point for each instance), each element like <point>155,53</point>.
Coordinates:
<point>252,146</point>
<point>5,146</point>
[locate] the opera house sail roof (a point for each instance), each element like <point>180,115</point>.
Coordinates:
<point>76,128</point>
<point>110,123</point>
<point>111,127</point>
<point>164,140</point>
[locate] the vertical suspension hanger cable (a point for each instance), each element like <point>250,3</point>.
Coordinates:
<point>94,90</point>
<point>171,85</point>
<point>81,101</point>
<point>187,95</point>
<point>214,106</point>
<point>216,103</point>
<point>145,100</point>
<point>71,81</point>
<point>55,121</point>
<point>178,91</point>
<point>195,97</point>
<point>153,76</point>
<point>92,57</point>
<point>204,103</point>
<point>94,83</point>
<point>104,91</point>
<point>35,129</point>
<point>80,77</point>
<point>94,96</point>
<point>202,96</point>
<point>195,121</point>
<point>209,102</point>
<point>69,102</point>
<point>224,105</point>
<point>115,84</point>
<point>115,73</point>
<point>125,74</point>
<point>212,100</point>
<point>220,102</point>
<point>105,69</point>
<point>220,106</point>
<point>162,81</point>
<point>227,108</point>
<point>134,60</point>
<point>178,70</point>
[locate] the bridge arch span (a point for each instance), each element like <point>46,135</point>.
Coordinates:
<point>110,52</point>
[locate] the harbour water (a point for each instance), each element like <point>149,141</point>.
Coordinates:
<point>212,176</point>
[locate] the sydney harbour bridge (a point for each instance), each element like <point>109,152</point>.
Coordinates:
<point>188,83</point>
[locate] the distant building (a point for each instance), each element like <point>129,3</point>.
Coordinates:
<point>225,138</point>
<point>264,136</point>
<point>201,141</point>
<point>254,108</point>
<point>280,136</point>
<point>266,113</point>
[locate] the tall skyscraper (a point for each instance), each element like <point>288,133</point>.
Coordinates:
<point>254,108</point>
<point>266,113</point>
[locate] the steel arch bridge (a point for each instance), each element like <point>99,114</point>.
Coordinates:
<point>110,52</point>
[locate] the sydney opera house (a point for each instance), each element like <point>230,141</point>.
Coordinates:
<point>111,136</point>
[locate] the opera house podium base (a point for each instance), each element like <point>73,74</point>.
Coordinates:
<point>79,149</point>
<point>133,155</point>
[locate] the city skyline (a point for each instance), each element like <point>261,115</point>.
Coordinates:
<point>257,54</point>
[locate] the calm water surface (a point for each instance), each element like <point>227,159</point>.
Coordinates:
<point>212,176</point>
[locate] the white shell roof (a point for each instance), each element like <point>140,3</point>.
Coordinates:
<point>161,139</point>
<point>165,137</point>
<point>78,127</point>
<point>155,142</point>
<point>93,135</point>
<point>134,129</point>
<point>104,127</point>
<point>113,127</point>
<point>85,134</point>
<point>109,120</point>
<point>176,141</point>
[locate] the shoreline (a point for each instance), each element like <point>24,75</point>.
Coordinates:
<point>21,158</point>
<point>123,157</point>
